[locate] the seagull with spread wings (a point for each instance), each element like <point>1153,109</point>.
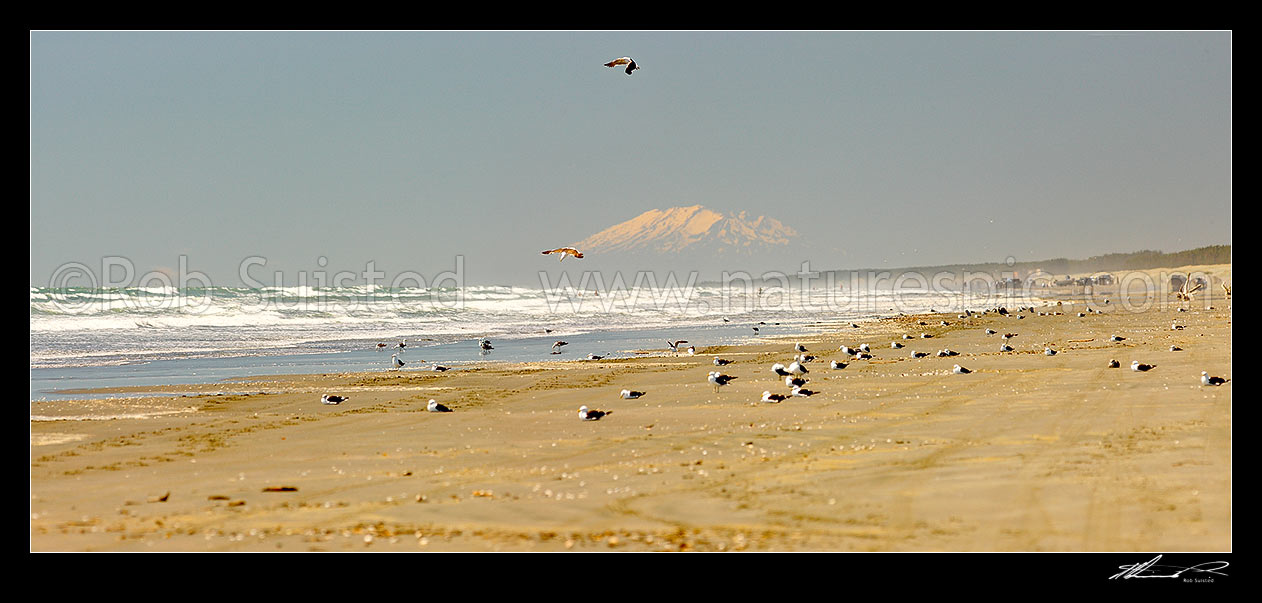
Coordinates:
<point>565,251</point>
<point>628,61</point>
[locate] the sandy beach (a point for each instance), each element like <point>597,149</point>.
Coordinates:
<point>1028,452</point>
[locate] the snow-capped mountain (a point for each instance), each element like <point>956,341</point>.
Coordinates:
<point>690,230</point>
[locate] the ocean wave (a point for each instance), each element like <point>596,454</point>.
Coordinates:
<point>79,326</point>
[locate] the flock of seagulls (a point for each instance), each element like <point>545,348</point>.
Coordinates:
<point>794,374</point>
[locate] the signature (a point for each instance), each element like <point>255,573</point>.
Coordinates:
<point>1149,569</point>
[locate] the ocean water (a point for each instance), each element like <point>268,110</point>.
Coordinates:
<point>92,338</point>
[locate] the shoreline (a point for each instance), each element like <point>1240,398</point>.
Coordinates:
<point>1027,453</point>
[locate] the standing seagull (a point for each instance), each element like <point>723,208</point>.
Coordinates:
<point>792,381</point>
<point>718,380</point>
<point>1207,380</point>
<point>485,344</point>
<point>565,251</point>
<point>434,406</point>
<point>628,61</point>
<point>394,358</point>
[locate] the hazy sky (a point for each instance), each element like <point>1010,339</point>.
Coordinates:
<point>407,149</point>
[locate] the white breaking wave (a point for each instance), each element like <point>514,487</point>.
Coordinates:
<point>71,327</point>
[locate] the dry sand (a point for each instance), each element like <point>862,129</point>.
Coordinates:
<point>1028,453</point>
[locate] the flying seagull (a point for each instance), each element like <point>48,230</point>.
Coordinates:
<point>628,61</point>
<point>674,345</point>
<point>1186,292</point>
<point>564,251</point>
<point>556,347</point>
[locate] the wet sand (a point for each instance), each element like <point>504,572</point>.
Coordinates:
<point>1029,452</point>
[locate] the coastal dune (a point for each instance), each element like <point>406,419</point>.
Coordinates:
<point>1028,452</point>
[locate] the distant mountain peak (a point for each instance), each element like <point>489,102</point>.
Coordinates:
<point>690,229</point>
